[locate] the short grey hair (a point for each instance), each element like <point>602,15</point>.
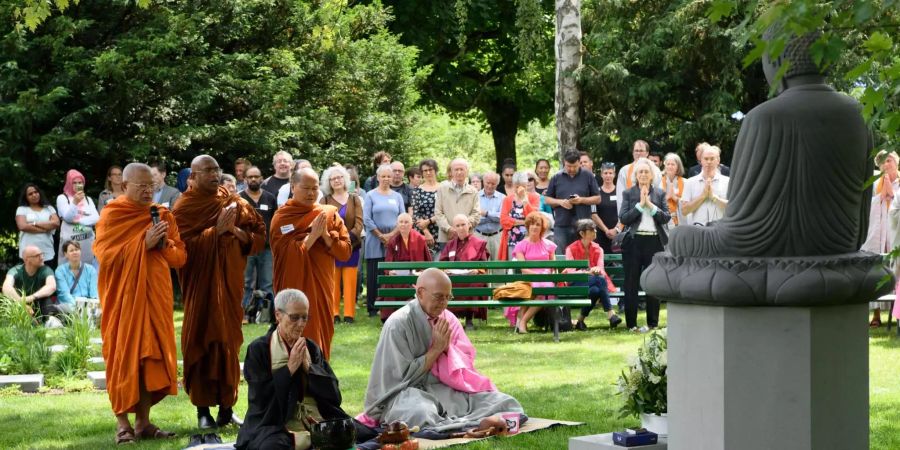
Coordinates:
<point>288,296</point>
<point>520,178</point>
<point>654,171</point>
<point>384,168</point>
<point>325,182</point>
<point>229,177</point>
<point>490,174</point>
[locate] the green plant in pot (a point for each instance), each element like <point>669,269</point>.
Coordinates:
<point>644,384</point>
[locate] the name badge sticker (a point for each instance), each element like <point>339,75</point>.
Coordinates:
<point>166,204</point>
<point>451,254</point>
<point>612,197</point>
<point>392,201</point>
<point>285,229</point>
<point>264,207</point>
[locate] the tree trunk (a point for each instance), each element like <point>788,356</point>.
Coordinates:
<point>568,62</point>
<point>503,118</point>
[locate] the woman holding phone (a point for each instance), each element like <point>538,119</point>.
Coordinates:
<point>78,214</point>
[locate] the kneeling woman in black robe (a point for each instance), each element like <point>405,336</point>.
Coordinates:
<point>290,383</point>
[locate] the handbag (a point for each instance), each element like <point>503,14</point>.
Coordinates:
<point>517,290</point>
<point>619,240</point>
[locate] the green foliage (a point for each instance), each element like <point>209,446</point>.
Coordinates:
<point>663,72</point>
<point>69,383</point>
<point>857,46</point>
<point>488,59</point>
<point>23,344</point>
<point>107,83</point>
<point>644,384</point>
<point>72,362</point>
<point>9,248</point>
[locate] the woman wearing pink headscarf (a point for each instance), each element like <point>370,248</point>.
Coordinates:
<point>78,214</point>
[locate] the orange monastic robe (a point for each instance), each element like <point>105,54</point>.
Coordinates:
<point>212,286</point>
<point>136,298</point>
<point>310,271</point>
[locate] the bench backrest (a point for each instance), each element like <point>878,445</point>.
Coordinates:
<point>404,283</point>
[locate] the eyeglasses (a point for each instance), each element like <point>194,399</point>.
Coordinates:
<point>442,297</point>
<point>531,179</point>
<point>295,317</point>
<point>142,187</point>
<point>252,177</point>
<point>36,255</point>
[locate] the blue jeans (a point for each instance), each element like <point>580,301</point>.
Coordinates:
<point>258,275</point>
<point>597,291</point>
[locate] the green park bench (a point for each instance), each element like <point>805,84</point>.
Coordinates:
<point>571,296</point>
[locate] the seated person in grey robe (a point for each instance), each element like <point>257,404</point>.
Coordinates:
<point>290,384</point>
<point>423,372</point>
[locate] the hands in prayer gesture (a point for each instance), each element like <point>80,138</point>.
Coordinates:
<point>440,335</point>
<point>226,220</point>
<point>154,234</point>
<point>299,357</point>
<point>645,197</point>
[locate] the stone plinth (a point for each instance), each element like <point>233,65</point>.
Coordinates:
<point>605,442</point>
<point>26,383</point>
<point>749,378</point>
<point>98,378</point>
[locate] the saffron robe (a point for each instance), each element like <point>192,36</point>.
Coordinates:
<point>136,297</point>
<point>401,389</point>
<point>311,271</point>
<point>212,287</point>
<point>473,249</point>
<point>395,250</point>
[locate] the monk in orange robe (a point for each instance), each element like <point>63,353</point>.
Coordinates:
<point>306,238</point>
<point>220,230</point>
<point>136,296</point>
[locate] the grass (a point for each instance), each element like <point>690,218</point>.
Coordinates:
<point>572,380</point>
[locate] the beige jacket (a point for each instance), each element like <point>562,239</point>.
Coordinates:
<point>448,203</point>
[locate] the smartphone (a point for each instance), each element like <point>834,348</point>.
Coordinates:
<point>573,196</point>
<point>352,186</point>
<point>78,188</point>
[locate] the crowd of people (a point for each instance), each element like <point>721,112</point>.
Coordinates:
<point>303,240</point>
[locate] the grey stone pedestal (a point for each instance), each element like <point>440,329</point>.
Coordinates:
<point>605,442</point>
<point>750,378</point>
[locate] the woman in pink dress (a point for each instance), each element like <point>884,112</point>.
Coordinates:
<point>534,248</point>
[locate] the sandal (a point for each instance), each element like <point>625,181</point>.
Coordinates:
<point>153,432</point>
<point>125,436</point>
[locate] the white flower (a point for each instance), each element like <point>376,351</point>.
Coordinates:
<point>663,359</point>
<point>655,379</point>
<point>634,361</point>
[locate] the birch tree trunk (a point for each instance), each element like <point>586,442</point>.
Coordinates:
<point>568,61</point>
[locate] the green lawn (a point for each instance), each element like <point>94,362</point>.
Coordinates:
<point>572,380</point>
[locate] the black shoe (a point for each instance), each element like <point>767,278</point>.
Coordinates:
<point>226,416</point>
<point>205,422</point>
<point>211,438</point>
<point>348,320</point>
<point>614,321</point>
<point>195,440</point>
<point>373,313</point>
<point>470,326</point>
<point>580,326</point>
<point>337,320</point>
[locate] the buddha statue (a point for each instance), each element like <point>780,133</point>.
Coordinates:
<point>800,164</point>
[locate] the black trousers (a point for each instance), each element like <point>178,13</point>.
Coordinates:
<point>637,255</point>
<point>372,283</point>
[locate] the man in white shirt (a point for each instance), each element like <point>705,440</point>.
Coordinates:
<point>706,195</point>
<point>625,179</point>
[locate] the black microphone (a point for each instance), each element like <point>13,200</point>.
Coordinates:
<point>154,216</point>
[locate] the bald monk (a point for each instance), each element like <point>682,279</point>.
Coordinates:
<point>220,230</point>
<point>306,239</point>
<point>423,372</point>
<point>136,296</point>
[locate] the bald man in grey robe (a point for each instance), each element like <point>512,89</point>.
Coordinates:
<point>423,371</point>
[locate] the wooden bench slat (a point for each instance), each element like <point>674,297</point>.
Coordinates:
<point>486,291</point>
<point>560,264</point>
<point>492,303</point>
<point>489,278</point>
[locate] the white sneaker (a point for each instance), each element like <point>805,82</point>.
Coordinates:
<point>53,322</point>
